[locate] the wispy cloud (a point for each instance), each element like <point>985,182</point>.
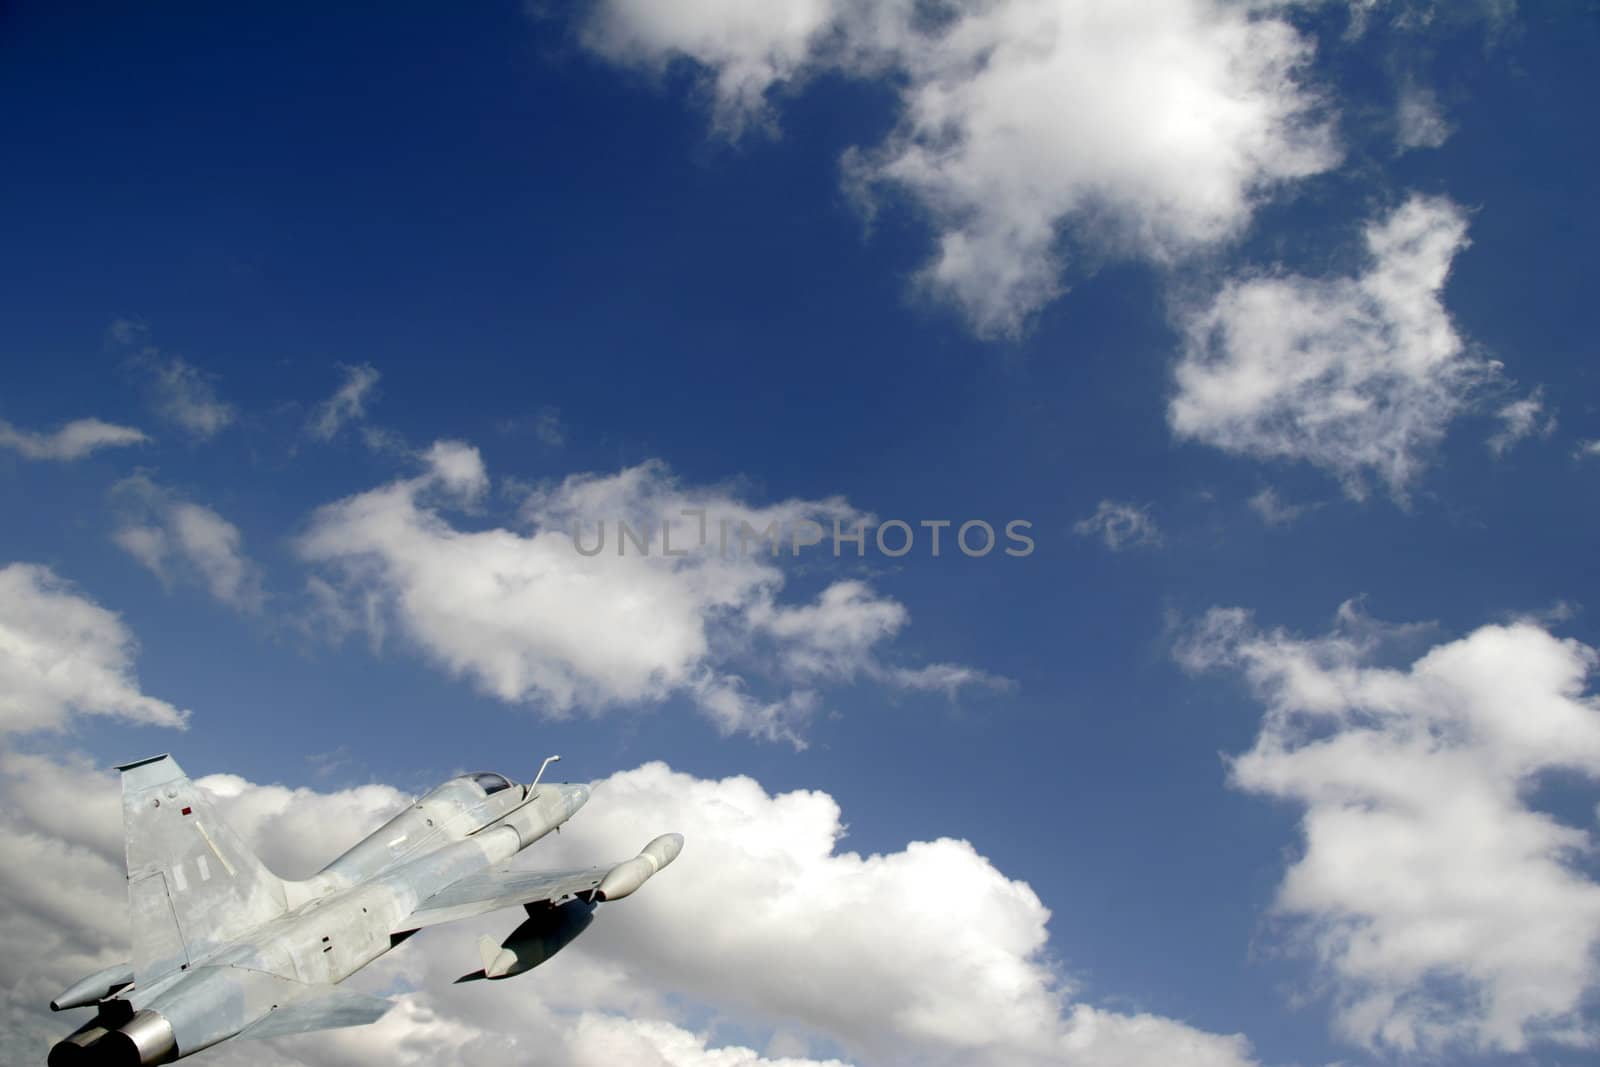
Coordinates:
<point>179,391</point>
<point>73,441</point>
<point>1418,120</point>
<point>188,397</point>
<point>1520,419</point>
<point>1120,525</point>
<point>545,424</point>
<point>1275,511</point>
<point>173,537</point>
<point>547,427</point>
<point>347,404</point>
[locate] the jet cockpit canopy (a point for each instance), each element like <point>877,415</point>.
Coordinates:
<point>490,782</point>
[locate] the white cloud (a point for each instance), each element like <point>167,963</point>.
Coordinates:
<point>835,635</point>
<point>186,395</point>
<point>1120,525</point>
<point>1520,419</point>
<point>179,391</point>
<point>62,654</point>
<point>170,535</point>
<point>528,617</point>
<point>1360,376</point>
<point>1587,449</point>
<point>127,332</point>
<point>1448,910</point>
<point>1418,121</point>
<point>63,892</point>
<point>73,441</point>
<point>927,954</point>
<point>297,832</point>
<point>547,427</point>
<point>1148,130</point>
<point>458,468</point>
<point>545,424</point>
<point>747,48</point>
<point>347,404</point>
<point>1275,511</point>
<point>418,1033</point>
<point>953,972</point>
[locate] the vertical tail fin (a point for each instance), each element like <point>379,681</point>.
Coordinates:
<point>192,883</point>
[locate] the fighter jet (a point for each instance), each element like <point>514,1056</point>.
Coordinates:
<point>223,948</point>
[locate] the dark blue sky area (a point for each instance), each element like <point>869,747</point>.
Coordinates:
<point>503,225</point>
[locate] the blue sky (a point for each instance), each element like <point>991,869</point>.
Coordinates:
<point>573,242</point>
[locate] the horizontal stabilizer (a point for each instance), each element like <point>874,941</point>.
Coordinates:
<point>328,1009</point>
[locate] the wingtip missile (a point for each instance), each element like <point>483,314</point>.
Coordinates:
<point>96,987</point>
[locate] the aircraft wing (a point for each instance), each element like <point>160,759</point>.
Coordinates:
<point>324,1009</point>
<point>503,888</point>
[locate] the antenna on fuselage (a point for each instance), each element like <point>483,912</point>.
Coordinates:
<point>535,783</point>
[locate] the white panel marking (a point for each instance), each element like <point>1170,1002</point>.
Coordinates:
<point>212,846</point>
<point>177,876</point>
<point>205,868</point>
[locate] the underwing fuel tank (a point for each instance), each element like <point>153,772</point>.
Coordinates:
<point>547,931</point>
<point>629,875</point>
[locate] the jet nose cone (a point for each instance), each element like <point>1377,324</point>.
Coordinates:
<point>576,797</point>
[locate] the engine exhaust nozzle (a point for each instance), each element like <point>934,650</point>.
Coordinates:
<point>143,1040</point>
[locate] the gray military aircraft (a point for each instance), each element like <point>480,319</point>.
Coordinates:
<point>224,948</point>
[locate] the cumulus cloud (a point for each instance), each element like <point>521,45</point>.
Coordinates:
<point>746,49</point>
<point>173,537</point>
<point>63,891</point>
<point>926,954</point>
<point>1120,525</point>
<point>1148,130</point>
<point>73,441</point>
<point>419,1034</point>
<point>1360,376</point>
<point>528,617</point>
<point>298,831</point>
<point>62,654</point>
<point>347,404</point>
<point>1449,911</point>
<point>1587,449</point>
